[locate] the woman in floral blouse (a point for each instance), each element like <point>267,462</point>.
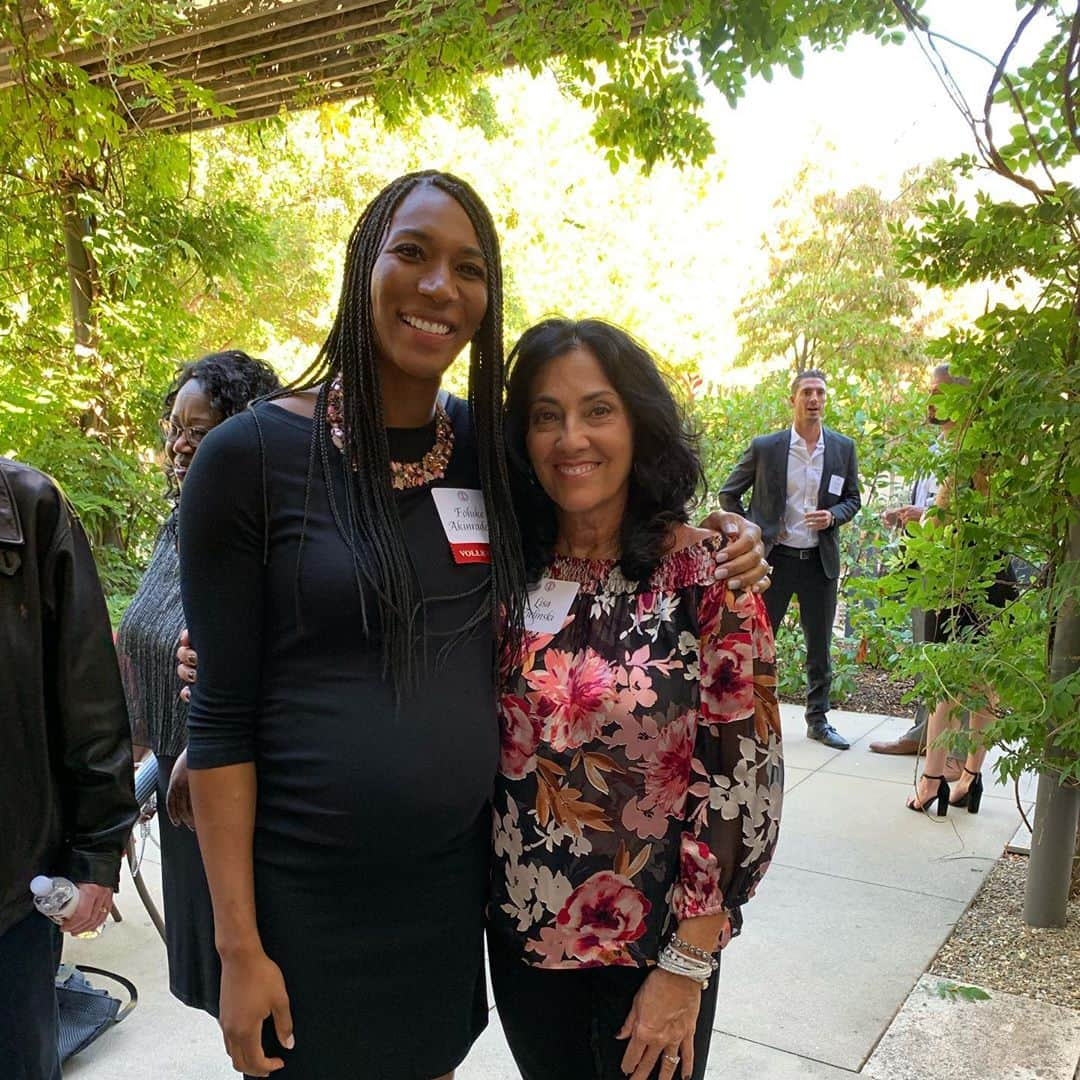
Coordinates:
<point>641,776</point>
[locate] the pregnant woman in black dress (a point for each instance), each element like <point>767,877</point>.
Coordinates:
<point>343,735</point>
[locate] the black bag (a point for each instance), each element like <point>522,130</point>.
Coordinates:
<point>87,1011</point>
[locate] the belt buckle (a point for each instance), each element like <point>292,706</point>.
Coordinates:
<point>804,554</point>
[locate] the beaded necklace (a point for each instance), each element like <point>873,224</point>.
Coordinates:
<point>403,474</point>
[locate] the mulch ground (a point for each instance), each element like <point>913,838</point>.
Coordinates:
<point>993,947</point>
<point>876,691</point>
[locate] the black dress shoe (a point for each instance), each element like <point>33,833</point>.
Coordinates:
<point>825,733</point>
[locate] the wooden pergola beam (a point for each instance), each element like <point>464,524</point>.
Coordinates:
<point>263,60</point>
<point>257,57</point>
<point>312,19</point>
<point>256,111</point>
<point>309,65</point>
<point>281,53</point>
<point>227,20</point>
<point>235,33</point>
<point>296,89</point>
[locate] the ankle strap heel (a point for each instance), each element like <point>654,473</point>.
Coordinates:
<point>972,798</point>
<point>975,792</point>
<point>941,797</point>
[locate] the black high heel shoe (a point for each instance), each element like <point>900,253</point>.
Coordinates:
<point>973,796</point>
<point>941,797</point>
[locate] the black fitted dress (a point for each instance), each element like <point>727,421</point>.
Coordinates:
<point>372,819</point>
<point>146,643</point>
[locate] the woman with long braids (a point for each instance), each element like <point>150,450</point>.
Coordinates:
<point>342,592</point>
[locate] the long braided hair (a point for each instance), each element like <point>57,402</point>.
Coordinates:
<point>370,523</point>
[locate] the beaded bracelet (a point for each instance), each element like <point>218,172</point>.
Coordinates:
<point>692,950</point>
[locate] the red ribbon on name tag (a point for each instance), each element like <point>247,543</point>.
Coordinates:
<point>471,553</point>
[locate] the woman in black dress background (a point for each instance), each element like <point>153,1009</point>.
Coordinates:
<point>204,393</point>
<point>954,623</point>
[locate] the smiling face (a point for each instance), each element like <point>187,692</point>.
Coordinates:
<point>808,401</point>
<point>428,289</point>
<point>580,438</point>
<point>192,416</point>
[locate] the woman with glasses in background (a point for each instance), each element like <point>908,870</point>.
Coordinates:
<point>203,394</point>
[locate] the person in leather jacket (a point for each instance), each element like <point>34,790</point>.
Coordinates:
<point>67,802</point>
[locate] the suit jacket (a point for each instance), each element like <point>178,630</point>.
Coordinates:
<point>764,467</point>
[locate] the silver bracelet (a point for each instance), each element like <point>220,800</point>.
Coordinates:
<point>676,963</point>
<point>673,968</point>
<point>706,967</point>
<point>692,950</point>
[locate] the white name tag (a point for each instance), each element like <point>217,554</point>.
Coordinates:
<point>549,604</point>
<point>836,484</point>
<point>464,520</point>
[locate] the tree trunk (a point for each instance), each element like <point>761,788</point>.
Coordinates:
<point>81,273</point>
<point>1057,807</point>
<point>83,290</point>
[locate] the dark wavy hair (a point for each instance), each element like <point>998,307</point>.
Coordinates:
<point>666,471</point>
<point>231,379</point>
<point>369,522</point>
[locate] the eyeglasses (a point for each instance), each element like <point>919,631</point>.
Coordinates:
<point>172,432</point>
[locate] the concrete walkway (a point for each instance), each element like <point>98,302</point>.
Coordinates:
<point>860,897</point>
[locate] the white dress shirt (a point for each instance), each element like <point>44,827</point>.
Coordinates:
<point>803,482</point>
<point>925,490</point>
<point>926,484</point>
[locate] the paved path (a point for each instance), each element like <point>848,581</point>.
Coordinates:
<point>860,897</point>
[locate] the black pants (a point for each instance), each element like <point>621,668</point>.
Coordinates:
<point>805,578</point>
<point>29,953</point>
<point>561,1025</point>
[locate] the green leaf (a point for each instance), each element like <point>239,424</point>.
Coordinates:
<point>952,991</point>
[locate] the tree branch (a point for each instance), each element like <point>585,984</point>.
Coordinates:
<point>1071,60</point>
<point>980,129</point>
<point>988,104</point>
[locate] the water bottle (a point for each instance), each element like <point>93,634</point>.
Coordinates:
<point>56,898</point>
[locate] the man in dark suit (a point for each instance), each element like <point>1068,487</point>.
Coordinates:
<point>805,486</point>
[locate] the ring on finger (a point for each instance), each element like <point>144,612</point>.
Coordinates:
<point>671,1060</point>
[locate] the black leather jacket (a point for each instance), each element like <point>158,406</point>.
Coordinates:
<point>67,802</point>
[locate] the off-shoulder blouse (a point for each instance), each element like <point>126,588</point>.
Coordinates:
<point>641,775</point>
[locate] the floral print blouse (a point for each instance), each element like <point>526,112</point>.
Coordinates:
<point>641,773</point>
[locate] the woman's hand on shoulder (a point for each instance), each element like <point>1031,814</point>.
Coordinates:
<point>186,664</point>
<point>744,556</point>
<point>178,801</point>
<point>661,1026</point>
